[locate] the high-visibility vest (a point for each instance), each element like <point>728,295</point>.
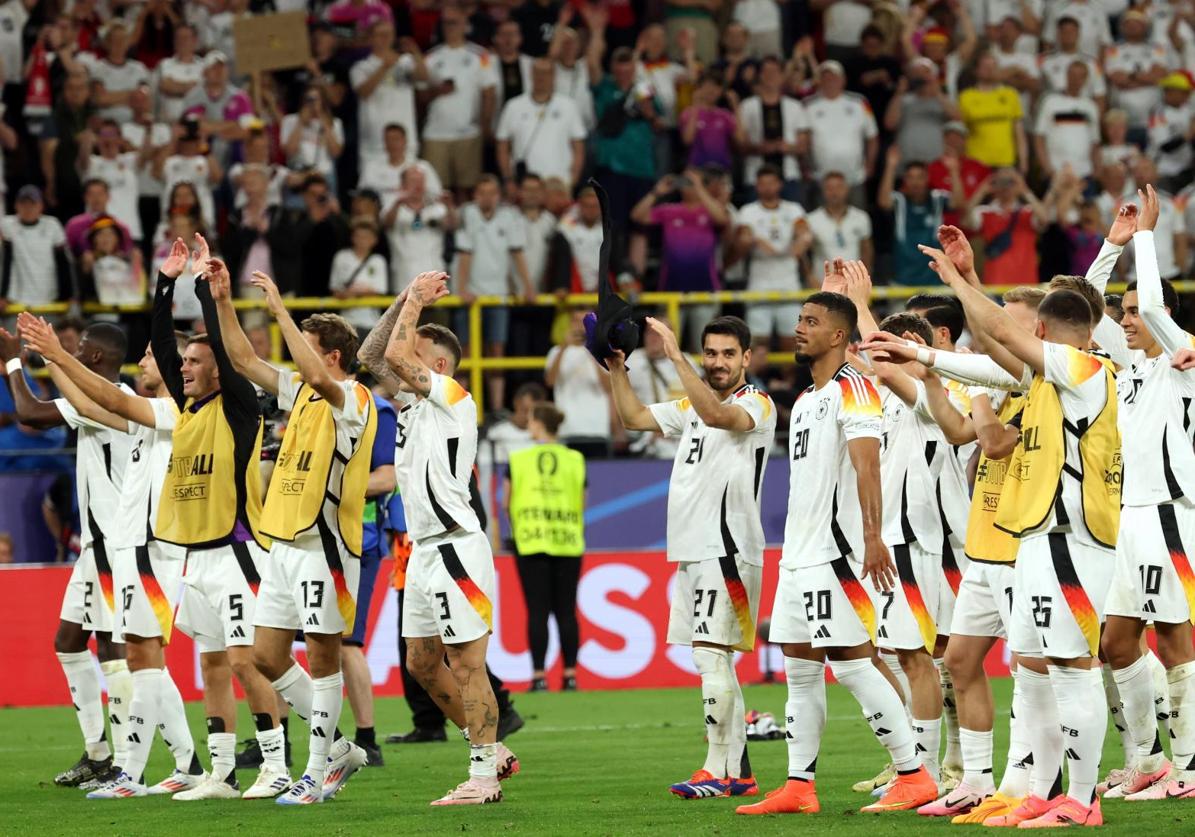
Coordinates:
<point>1034,480</point>
<point>984,541</point>
<point>198,506</point>
<point>547,500</point>
<point>310,471</point>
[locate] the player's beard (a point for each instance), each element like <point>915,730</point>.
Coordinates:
<point>802,359</point>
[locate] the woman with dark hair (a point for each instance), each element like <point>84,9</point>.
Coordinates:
<point>545,495</point>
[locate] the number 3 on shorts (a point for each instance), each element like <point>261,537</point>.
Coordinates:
<point>445,614</point>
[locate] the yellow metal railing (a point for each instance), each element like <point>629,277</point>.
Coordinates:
<point>476,364</point>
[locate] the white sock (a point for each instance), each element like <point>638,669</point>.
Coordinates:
<point>1181,680</point>
<point>172,724</point>
<point>717,695</point>
<point>928,736</point>
<point>1044,731</point>
<point>1079,694</point>
<point>222,747</point>
<point>953,757</point>
<point>1161,692</point>
<point>120,694</point>
<point>738,762</point>
<point>273,748</point>
<point>483,762</point>
<point>84,683</point>
<point>1019,763</point>
<point>1136,687</point>
<point>327,699</point>
<point>804,715</point>
<point>296,689</point>
<point>1116,710</point>
<point>142,720</point>
<point>976,747</point>
<point>892,662</point>
<point>881,706</point>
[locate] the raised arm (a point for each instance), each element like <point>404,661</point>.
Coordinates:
<point>705,401</point>
<point>234,341</point>
<point>996,439</point>
<point>311,367</point>
<point>631,411</point>
<point>1150,301</point>
<point>401,351</point>
<point>82,387</point>
<point>877,563</point>
<point>373,351</point>
<point>238,392</point>
<point>31,410</point>
<point>161,323</point>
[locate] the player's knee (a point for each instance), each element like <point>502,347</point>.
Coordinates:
<point>244,668</point>
<point>143,653</point>
<point>1119,646</point>
<point>1174,644</point>
<point>915,662</point>
<point>421,666</point>
<point>964,668</point>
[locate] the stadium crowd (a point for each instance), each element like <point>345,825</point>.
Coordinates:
<point>742,145</point>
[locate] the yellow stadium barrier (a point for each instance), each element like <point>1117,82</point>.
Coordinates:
<point>476,365</point>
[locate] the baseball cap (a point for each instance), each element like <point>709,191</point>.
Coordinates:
<point>1178,80</point>
<point>29,192</point>
<point>831,66</point>
<point>955,126</point>
<point>213,58</point>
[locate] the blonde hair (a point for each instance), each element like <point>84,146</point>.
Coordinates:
<point>1030,295</point>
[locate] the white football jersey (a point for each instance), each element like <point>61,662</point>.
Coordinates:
<point>713,495</point>
<point>1156,432</point>
<point>824,521</point>
<point>144,474</point>
<point>100,459</point>
<point>911,442</point>
<point>434,453</point>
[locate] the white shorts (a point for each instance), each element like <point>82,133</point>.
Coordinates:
<point>89,599</point>
<point>1153,579</point>
<point>954,567</point>
<point>220,595</point>
<point>148,586</point>
<point>1059,592</point>
<point>984,605</point>
<point>826,606</point>
<point>309,585</point>
<point>768,318</point>
<point>450,588</point>
<point>907,611</point>
<point>715,601</point>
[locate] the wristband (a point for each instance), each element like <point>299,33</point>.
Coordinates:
<point>13,365</point>
<point>925,355</point>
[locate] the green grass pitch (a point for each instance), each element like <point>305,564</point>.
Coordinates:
<point>593,763</point>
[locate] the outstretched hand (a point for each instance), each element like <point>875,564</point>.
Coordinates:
<point>266,285</point>
<point>203,253</point>
<point>40,336</point>
<point>888,348</point>
<point>10,346</point>
<point>176,262</point>
<point>671,347</point>
<point>1147,219</point>
<point>941,264</point>
<point>832,280</point>
<point>428,287</point>
<point>218,280</point>
<point>957,248</point>
<point>1183,360</point>
<point>858,281</point>
<point>1124,225</point>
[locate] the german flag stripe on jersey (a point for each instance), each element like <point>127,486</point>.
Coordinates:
<point>1081,365</point>
<point>1072,590</point>
<point>954,576</point>
<point>454,393</point>
<point>153,591</point>
<point>859,397</point>
<point>856,595</point>
<point>1178,555</point>
<point>740,601</point>
<point>345,602</point>
<point>103,569</point>
<point>912,591</point>
<point>473,593</point>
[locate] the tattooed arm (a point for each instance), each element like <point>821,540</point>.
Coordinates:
<point>401,352</point>
<point>373,351</point>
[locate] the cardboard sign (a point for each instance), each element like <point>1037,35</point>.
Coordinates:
<point>271,42</point>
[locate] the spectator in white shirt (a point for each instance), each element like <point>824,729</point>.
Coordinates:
<point>1134,67</point>
<point>115,76</point>
<point>1170,233</point>
<point>384,82</point>
<point>178,73</point>
<point>188,160</point>
<point>1018,68</point>
<point>489,244</point>
<point>840,231</point>
<point>384,174</point>
<point>1091,20</point>
<point>842,22</point>
<point>773,128</point>
<point>461,89</point>
<point>415,221</point>
<point>582,392</point>
<point>358,271</point>
<point>118,168</point>
<point>1172,130</point>
<point>511,435</point>
<point>511,66</point>
<point>313,138</point>
<point>1054,65</point>
<point>36,269</point>
<point>1067,131</point>
<point>541,132</point>
<point>539,226</point>
<point>844,134</point>
<point>572,71</point>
